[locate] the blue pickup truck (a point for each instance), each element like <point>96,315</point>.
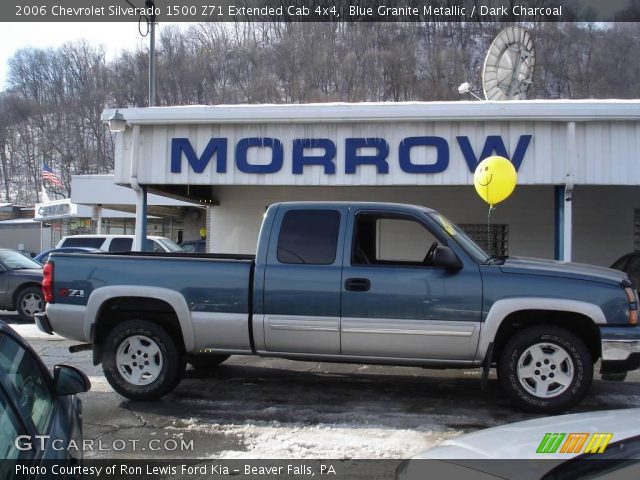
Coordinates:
<point>370,283</point>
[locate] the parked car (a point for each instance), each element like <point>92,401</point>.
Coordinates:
<point>44,256</point>
<point>117,243</point>
<point>194,246</point>
<point>20,289</point>
<point>39,413</point>
<point>563,446</point>
<point>352,282</point>
<point>630,264</point>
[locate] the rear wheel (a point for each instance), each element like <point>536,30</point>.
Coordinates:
<point>30,301</point>
<point>141,361</point>
<point>545,369</point>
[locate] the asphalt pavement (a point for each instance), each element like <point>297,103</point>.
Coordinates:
<point>252,407</point>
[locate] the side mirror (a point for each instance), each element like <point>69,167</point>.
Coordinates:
<point>444,257</point>
<point>69,380</point>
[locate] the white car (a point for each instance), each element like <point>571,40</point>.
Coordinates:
<point>545,448</point>
<point>117,243</point>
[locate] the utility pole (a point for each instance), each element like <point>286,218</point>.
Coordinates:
<point>151,20</point>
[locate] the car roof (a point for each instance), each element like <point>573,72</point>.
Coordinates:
<point>407,207</point>
<point>523,438</point>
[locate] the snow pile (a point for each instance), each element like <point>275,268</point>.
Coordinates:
<point>269,440</point>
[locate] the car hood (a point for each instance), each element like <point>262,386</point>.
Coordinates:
<point>521,440</point>
<point>553,268</point>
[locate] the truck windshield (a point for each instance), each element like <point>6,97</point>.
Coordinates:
<point>456,233</point>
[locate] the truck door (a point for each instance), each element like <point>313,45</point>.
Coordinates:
<point>395,303</point>
<point>302,280</point>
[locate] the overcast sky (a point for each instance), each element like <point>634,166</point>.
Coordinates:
<point>114,37</point>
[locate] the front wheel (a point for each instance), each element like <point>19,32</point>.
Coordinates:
<point>545,369</point>
<point>141,361</point>
<point>29,302</point>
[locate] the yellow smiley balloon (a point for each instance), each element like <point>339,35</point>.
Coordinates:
<point>495,179</point>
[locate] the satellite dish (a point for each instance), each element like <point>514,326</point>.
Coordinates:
<point>508,68</point>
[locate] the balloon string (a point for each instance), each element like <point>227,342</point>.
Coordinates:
<point>489,242</point>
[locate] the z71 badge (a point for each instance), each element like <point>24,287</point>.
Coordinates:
<point>71,292</point>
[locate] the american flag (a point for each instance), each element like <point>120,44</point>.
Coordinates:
<point>48,175</point>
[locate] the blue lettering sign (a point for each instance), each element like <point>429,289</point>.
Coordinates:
<point>442,159</point>
<point>245,144</point>
<point>494,145</point>
<point>326,160</point>
<point>216,146</point>
<point>352,159</point>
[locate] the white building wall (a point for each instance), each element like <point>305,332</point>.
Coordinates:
<point>27,236</point>
<point>235,223</point>
<point>607,141</point>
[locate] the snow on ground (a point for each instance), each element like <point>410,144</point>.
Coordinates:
<point>31,331</point>
<point>272,440</point>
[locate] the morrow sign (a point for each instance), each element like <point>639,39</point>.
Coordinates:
<point>322,152</point>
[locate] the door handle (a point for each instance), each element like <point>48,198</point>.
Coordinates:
<point>357,284</point>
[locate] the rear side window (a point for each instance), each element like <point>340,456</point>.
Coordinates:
<point>89,242</point>
<point>23,372</point>
<point>121,244</point>
<point>309,237</point>
<point>10,428</point>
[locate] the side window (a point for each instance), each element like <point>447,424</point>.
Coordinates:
<point>155,247</point>
<point>383,240</point>
<point>90,242</point>
<point>309,237</point>
<point>10,428</point>
<point>34,397</point>
<point>121,244</point>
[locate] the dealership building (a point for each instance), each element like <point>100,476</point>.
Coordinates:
<point>578,166</point>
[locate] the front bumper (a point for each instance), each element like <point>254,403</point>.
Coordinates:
<point>620,349</point>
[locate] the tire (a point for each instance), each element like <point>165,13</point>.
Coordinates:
<point>207,361</point>
<point>141,361</point>
<point>545,369</point>
<point>29,301</point>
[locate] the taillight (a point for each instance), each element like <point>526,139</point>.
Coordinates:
<point>633,305</point>
<point>47,282</point>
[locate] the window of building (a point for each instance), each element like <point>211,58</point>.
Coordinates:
<point>309,236</point>
<point>495,244</point>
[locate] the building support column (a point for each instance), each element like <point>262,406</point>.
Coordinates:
<point>563,222</point>
<point>96,216</point>
<point>141,219</point>
<point>140,239</point>
<point>564,202</point>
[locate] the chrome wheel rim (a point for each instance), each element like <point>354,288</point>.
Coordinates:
<point>32,303</point>
<point>545,370</point>
<point>139,360</point>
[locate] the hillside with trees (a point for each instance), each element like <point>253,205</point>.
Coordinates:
<point>50,110</point>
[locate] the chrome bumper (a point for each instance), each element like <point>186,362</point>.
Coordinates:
<point>615,350</point>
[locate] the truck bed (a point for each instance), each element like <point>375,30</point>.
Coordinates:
<point>209,282</point>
